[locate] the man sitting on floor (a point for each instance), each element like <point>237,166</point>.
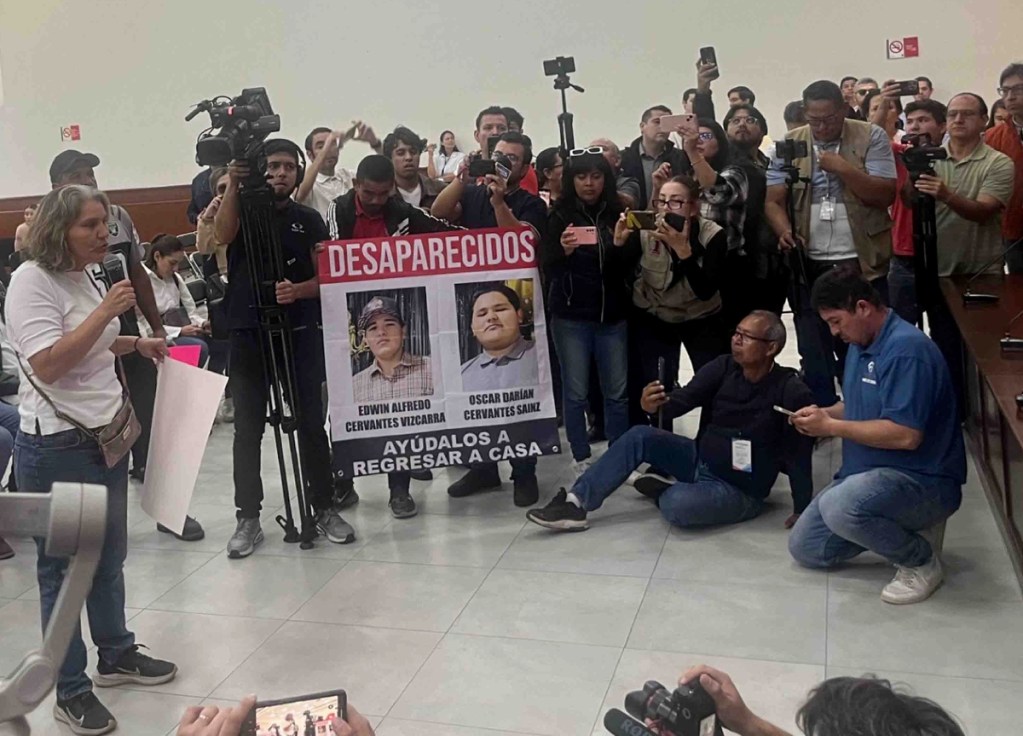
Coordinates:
<point>724,476</point>
<point>903,460</point>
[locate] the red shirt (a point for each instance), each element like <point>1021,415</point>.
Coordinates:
<point>902,213</point>
<point>1006,139</point>
<point>367,226</point>
<point>529,181</point>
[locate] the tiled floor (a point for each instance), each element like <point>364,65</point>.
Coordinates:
<point>467,621</point>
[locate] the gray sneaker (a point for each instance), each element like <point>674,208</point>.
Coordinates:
<point>247,536</point>
<point>334,528</point>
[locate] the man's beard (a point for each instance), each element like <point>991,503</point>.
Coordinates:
<point>282,196</point>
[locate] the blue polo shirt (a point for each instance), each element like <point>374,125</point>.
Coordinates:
<point>902,376</point>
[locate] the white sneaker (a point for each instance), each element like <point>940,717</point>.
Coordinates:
<point>914,584</point>
<point>633,477</point>
<point>580,466</point>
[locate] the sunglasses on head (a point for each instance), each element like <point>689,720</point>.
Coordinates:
<point>592,150</point>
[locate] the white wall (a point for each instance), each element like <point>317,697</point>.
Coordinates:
<point>127,72</point>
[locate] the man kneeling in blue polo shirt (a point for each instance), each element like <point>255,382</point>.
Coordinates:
<point>903,460</point>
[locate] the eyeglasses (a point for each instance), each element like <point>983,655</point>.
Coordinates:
<point>593,150</point>
<point>744,120</point>
<point>818,122</point>
<point>706,135</point>
<point>744,336</point>
<point>672,204</point>
<point>1016,89</point>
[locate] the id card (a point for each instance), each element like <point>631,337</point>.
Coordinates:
<point>827,210</point>
<point>742,455</point>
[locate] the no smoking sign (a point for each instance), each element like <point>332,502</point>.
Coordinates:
<point>903,48</point>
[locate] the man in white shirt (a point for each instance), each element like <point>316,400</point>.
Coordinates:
<point>324,180</point>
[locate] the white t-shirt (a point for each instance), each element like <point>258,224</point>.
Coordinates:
<point>328,188</point>
<point>413,196</point>
<point>169,295</point>
<point>42,307</point>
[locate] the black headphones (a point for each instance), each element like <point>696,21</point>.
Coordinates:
<point>283,145</point>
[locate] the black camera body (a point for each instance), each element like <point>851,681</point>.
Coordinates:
<point>241,123</point>
<point>919,158</point>
<point>686,711</point>
<point>789,150</point>
<point>559,66</point>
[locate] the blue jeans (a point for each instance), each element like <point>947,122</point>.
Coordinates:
<point>578,342</point>
<point>699,498</point>
<point>39,461</point>
<point>204,349</point>
<point>10,420</point>
<point>879,510</point>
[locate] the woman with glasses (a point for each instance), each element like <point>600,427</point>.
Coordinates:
<point>676,293</point>
<point>549,168</point>
<point>586,261</point>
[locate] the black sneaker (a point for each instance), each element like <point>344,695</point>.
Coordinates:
<point>402,507</point>
<point>477,479</point>
<point>138,474</point>
<point>136,667</point>
<point>192,532</point>
<point>84,714</point>
<point>652,485</point>
<point>560,514</point>
<point>344,494</point>
<point>423,475</point>
<point>527,492</point>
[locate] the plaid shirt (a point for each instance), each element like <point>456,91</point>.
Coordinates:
<point>725,204</point>
<point>412,377</point>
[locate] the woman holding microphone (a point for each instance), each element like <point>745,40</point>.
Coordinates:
<point>63,325</point>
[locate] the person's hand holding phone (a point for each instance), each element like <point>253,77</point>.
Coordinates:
<point>356,725</point>
<point>498,187</point>
<point>653,398</point>
<point>705,74</point>
<point>213,721</point>
<point>677,240</point>
<point>569,240</point>
<point>622,230</point>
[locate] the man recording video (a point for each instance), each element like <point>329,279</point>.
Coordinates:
<point>300,228</point>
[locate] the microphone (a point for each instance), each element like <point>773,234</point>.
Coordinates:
<point>969,297</point>
<point>619,724</point>
<point>113,272</point>
<point>1009,343</point>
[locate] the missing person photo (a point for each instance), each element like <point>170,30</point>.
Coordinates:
<point>495,320</point>
<point>391,345</point>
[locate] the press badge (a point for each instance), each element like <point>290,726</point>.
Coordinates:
<point>742,455</point>
<point>827,210</point>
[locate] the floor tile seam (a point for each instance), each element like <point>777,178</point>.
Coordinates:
<point>719,655</point>
<point>421,564</point>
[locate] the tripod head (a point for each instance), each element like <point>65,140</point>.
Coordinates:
<point>559,68</point>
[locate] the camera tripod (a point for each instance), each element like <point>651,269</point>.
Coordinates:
<point>262,246</point>
<point>565,119</point>
<point>925,253</point>
<point>796,257</point>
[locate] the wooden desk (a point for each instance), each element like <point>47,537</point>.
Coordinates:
<point>994,425</point>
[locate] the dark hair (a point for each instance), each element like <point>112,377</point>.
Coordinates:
<point>751,111</point>
<point>492,110</point>
<point>376,168</point>
<point>689,93</point>
<point>847,78</point>
<point>165,245</point>
<point>844,706</point>
<point>283,145</point>
<point>823,90</point>
<point>745,94</point>
<point>513,296</point>
<point>513,116</point>
<point>583,164</point>
<point>998,105</point>
<point>937,110</point>
<point>401,135</point>
<point>689,182</point>
<point>720,159</point>
<point>842,288</point>
<point>795,112</point>
<point>546,159</point>
<point>974,95</point>
<point>1013,70</point>
<point>926,79</point>
<point>440,141</point>
<point>523,140</point>
<point>216,174</point>
<point>312,134</point>
<point>648,113</point>
<point>865,105</point>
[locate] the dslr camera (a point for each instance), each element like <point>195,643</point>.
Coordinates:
<point>238,127</point>
<point>686,711</point>
<point>919,158</point>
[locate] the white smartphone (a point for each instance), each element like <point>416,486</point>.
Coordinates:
<point>783,410</point>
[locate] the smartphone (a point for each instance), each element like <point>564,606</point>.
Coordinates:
<point>675,220</point>
<point>783,410</point>
<point>662,378</point>
<point>709,56</point>
<point>309,713</point>
<point>585,235</point>
<point>492,142</point>
<point>909,88</point>
<point>482,167</point>
<point>671,123</point>
<point>641,220</point>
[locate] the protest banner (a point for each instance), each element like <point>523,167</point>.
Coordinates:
<point>436,350</point>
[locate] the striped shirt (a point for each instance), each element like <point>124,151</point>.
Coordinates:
<point>412,377</point>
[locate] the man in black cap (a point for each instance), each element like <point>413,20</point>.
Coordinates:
<point>75,167</point>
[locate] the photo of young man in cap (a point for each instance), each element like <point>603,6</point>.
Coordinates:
<point>394,373</point>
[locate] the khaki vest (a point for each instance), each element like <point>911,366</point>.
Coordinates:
<point>653,291</point>
<point>871,226</point>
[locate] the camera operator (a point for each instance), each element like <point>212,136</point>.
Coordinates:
<point>841,200</point>
<point>405,148</point>
<point>496,203</point>
<point>650,152</point>
<point>1008,138</point>
<point>324,180</point>
<point>300,228</point>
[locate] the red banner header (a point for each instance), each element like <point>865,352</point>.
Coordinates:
<point>399,256</point>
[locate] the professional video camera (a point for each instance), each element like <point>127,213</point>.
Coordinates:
<point>919,158</point>
<point>687,711</point>
<point>242,124</point>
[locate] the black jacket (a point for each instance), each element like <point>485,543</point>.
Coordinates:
<point>591,284</point>
<point>401,218</point>
<point>632,165</point>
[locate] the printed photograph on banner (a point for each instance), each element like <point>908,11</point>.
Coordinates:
<point>495,329</point>
<point>389,334</point>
